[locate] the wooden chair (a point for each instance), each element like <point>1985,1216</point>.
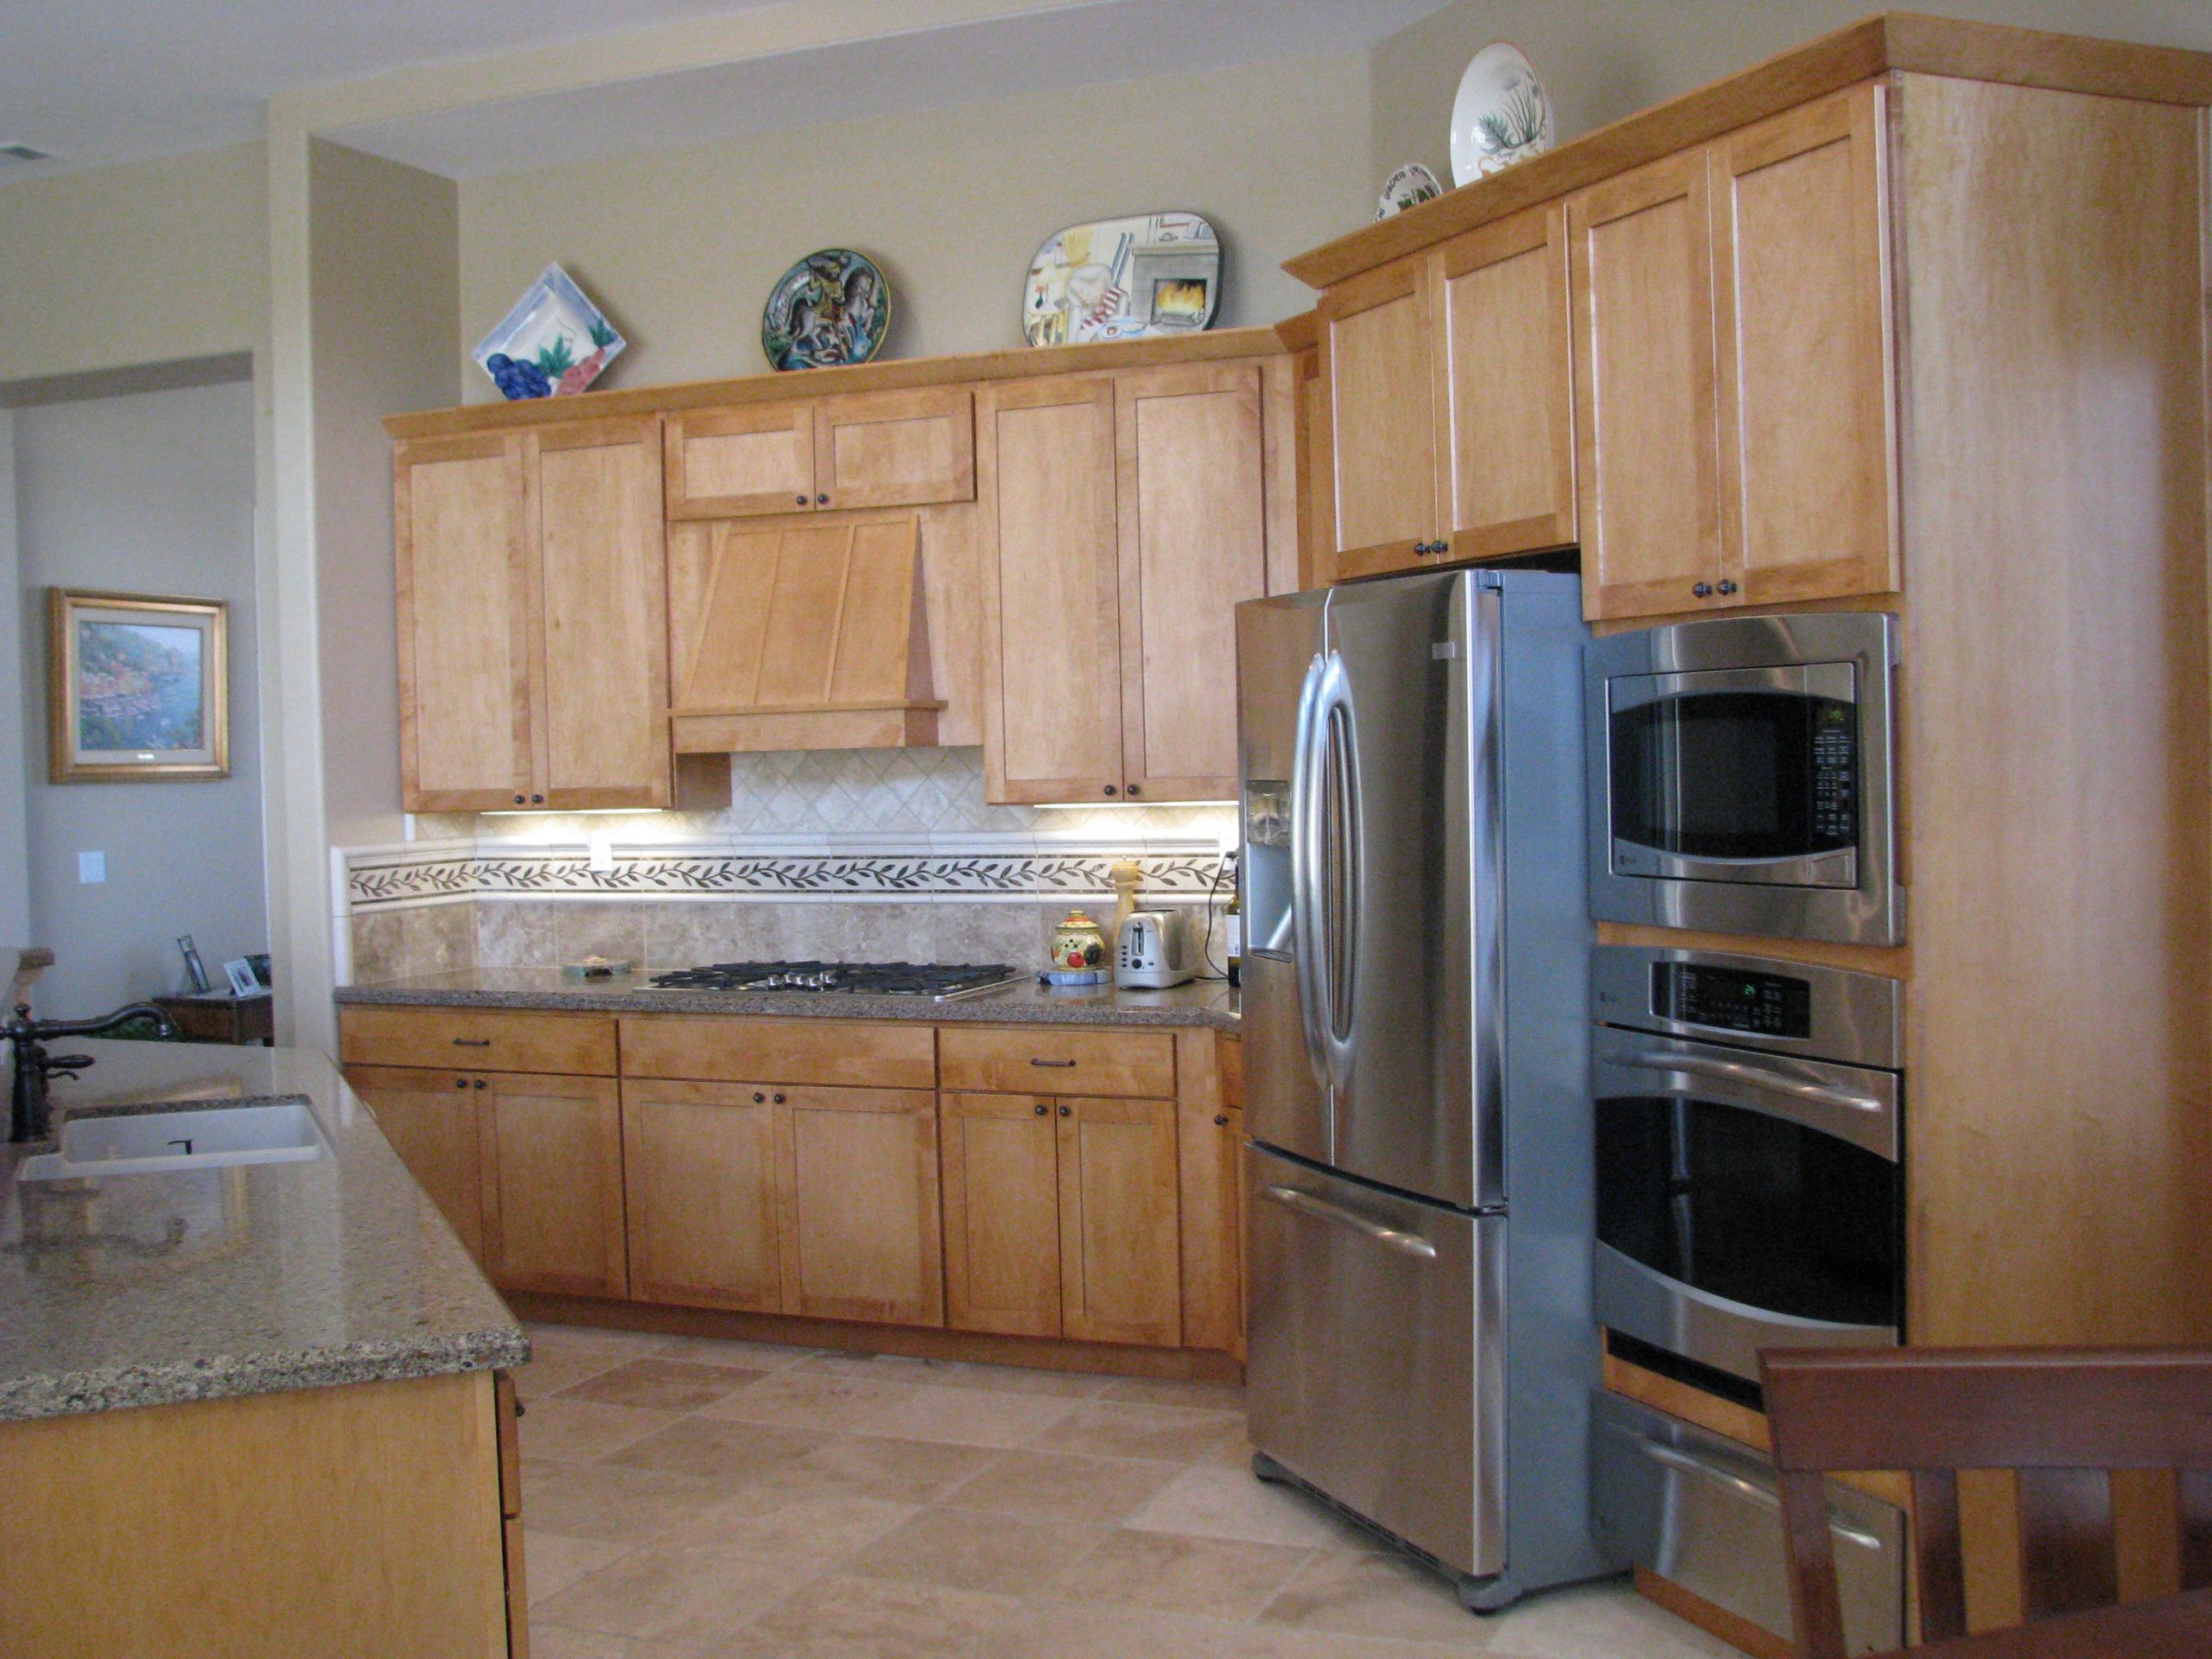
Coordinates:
<point>2062,1417</point>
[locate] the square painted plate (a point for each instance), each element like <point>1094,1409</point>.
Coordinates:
<point>554,343</point>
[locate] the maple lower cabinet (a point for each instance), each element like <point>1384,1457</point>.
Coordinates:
<point>430,1118</point>
<point>1061,1218</point>
<point>1375,342</point>
<point>699,1174</point>
<point>552,1174</point>
<point>857,1207</point>
<point>532,639</point>
<point>1191,517</point>
<point>1504,388</point>
<point>1802,318</point>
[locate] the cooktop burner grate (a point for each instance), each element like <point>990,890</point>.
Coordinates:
<point>940,981</point>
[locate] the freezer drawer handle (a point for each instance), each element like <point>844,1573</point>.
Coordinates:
<point>1703,1066</point>
<point>1389,1237</point>
<point>1660,1452</point>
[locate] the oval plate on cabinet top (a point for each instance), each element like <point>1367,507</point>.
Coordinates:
<point>1124,279</point>
<point>831,309</point>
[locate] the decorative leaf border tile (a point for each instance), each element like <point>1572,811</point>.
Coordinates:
<point>376,880</point>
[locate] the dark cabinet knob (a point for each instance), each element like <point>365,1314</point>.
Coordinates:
<point>757,1096</point>
<point>802,500</point>
<point>1042,1109</point>
<point>822,500</point>
<point>1727,586</point>
<point>1702,589</point>
<point>1067,1111</point>
<point>537,800</point>
<point>1132,792</point>
<point>461,1083</point>
<point>1221,1119</point>
<point>480,1083</point>
<point>780,1100</point>
<point>1110,790</point>
<point>518,800</point>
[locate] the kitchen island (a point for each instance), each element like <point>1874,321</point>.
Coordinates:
<point>247,1409</point>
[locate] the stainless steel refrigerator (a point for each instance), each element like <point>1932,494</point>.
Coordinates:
<point>1417,1094</point>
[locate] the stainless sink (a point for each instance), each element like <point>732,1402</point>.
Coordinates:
<point>278,1131</point>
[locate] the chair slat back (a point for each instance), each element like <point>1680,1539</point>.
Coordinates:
<point>2062,1417</point>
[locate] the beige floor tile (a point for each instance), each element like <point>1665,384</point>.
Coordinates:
<point>611,1504</point>
<point>1212,1501</point>
<point>553,1369</point>
<point>1020,1379</point>
<point>1169,1433</point>
<point>844,1617</point>
<point>695,1593</point>
<point>882,1368</point>
<point>1598,1621</point>
<point>804,1399</point>
<point>560,1642</point>
<point>968,1416</point>
<point>553,1562</point>
<point>971,1549</point>
<point>814,1532</point>
<point>1046,1629</point>
<point>661,1384</point>
<point>1372,1594</point>
<point>1221,1578</point>
<point>724,1350</point>
<point>1061,1486</point>
<point>724,1453</point>
<point>577,1431</point>
<point>1175,1391</point>
<point>598,1339</point>
<point>903,1471</point>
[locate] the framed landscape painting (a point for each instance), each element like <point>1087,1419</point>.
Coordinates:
<point>136,687</point>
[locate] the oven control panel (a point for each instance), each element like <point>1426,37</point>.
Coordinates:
<point>1766,1004</point>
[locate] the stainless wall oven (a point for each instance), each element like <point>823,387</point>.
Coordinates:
<point>1740,777</point>
<point>1749,1141</point>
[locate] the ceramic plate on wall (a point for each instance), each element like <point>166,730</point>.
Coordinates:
<point>554,343</point>
<point>1502,115</point>
<point>832,307</point>
<point>1409,187</point>
<point>1123,279</point>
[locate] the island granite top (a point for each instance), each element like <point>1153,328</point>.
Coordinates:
<point>1025,1002</point>
<point>155,1289</point>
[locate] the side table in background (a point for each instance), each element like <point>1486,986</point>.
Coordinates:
<point>220,1017</point>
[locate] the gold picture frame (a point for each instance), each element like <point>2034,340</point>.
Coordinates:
<point>137,688</point>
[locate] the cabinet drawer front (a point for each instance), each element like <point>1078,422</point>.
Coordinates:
<point>1042,1061</point>
<point>482,1039</point>
<point>747,1050</point>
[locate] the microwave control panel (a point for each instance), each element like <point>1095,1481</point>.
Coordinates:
<point>1835,774</point>
<point>1770,1005</point>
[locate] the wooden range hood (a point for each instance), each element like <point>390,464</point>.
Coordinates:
<point>812,637</point>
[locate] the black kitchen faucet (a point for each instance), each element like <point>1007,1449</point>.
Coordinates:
<point>35,1067</point>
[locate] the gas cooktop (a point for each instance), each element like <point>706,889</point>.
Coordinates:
<point>941,981</point>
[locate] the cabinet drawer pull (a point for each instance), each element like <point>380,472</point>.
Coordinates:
<point>1063,1065</point>
<point>472,1042</point>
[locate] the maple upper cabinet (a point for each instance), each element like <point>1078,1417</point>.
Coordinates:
<point>699,1172</point>
<point>552,1174</point>
<point>1504,388</point>
<point>1046,472</point>
<point>1062,1217</point>
<point>1381,501</point>
<point>1645,386</point>
<point>864,449</point>
<point>1192,521</point>
<point>1802,318</point>
<point>532,642</point>
<point>856,1196</point>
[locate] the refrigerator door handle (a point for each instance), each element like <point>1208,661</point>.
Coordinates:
<point>1305,828</point>
<point>1391,1238</point>
<point>1339,866</point>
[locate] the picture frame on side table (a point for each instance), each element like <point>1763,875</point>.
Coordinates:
<point>137,688</point>
<point>239,972</point>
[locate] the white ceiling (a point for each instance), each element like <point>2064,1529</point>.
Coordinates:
<point>97,81</point>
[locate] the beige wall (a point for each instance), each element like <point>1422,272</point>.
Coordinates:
<point>385,278</point>
<point>1601,60</point>
<point>124,265</point>
<point>682,248</point>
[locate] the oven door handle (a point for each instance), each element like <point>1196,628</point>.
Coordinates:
<point>1752,1077</point>
<point>1391,1238</point>
<point>1686,1463</point>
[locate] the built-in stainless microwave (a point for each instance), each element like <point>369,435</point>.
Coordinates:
<point>1740,778</point>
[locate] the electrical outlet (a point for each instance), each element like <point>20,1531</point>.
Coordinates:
<point>91,868</point>
<point>602,853</point>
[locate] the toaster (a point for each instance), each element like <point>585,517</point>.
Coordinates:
<point>1154,951</point>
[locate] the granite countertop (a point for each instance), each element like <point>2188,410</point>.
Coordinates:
<point>1201,1002</point>
<point>152,1289</point>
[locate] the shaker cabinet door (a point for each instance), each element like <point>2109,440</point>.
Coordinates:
<point>733,463</point>
<point>857,1204</point>
<point>895,449</point>
<point>1121,1240</point>
<point>1376,345</point>
<point>461,512</point>
<point>429,1118</point>
<point>1647,462</point>
<point>699,1173</point>
<point>1807,444</point>
<point>1001,1214</point>
<point>552,1159</point>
